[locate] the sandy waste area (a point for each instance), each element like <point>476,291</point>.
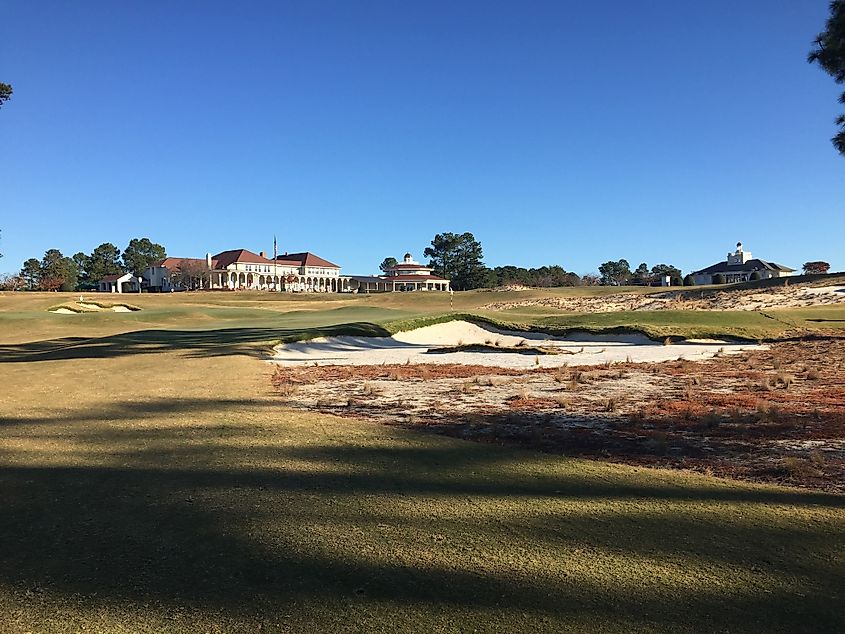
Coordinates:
<point>421,346</point>
<point>798,296</point>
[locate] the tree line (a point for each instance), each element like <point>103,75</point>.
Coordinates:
<point>460,258</point>
<point>81,271</point>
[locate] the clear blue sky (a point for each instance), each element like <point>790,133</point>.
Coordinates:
<point>557,132</point>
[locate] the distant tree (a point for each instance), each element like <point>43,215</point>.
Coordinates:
<point>590,279</point>
<point>12,282</point>
<point>545,276</point>
<point>459,258</point>
<point>82,264</point>
<point>659,270</point>
<point>615,273</point>
<point>829,53</point>
<point>31,273</point>
<point>641,274</point>
<point>5,93</point>
<point>816,268</point>
<point>57,272</point>
<point>387,264</point>
<point>689,280</point>
<point>491,279</point>
<point>140,253</point>
<point>190,274</point>
<point>104,260</point>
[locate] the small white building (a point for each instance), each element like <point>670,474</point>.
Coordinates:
<point>118,283</point>
<point>739,266</point>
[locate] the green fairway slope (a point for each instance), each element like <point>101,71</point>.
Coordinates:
<point>152,482</point>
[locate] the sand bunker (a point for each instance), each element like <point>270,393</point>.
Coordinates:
<point>421,346</point>
<point>80,308</point>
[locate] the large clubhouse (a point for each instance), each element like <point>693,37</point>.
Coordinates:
<point>240,269</point>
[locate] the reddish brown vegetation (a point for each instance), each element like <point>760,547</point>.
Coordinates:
<point>774,415</point>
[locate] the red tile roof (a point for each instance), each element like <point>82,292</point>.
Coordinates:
<point>306,258</point>
<point>175,263</point>
<point>225,258</point>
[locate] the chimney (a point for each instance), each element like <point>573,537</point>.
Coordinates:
<point>208,260</point>
<point>263,254</point>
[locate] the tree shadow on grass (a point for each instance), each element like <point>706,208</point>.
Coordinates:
<point>226,518</point>
<point>197,343</point>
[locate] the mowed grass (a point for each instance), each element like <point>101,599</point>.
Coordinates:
<point>151,481</point>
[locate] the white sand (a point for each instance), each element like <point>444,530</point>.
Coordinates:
<point>836,291</point>
<point>413,346</point>
<point>118,308</point>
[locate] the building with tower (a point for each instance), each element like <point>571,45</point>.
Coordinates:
<point>304,272</point>
<point>739,266</point>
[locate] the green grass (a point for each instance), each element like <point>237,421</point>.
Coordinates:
<point>151,481</point>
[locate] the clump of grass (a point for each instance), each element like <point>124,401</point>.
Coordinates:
<point>668,341</point>
<point>799,467</point>
<point>287,388</point>
<point>537,359</point>
<point>561,374</point>
<point>785,380</point>
<point>767,413</point>
<point>488,342</point>
<point>610,405</point>
<point>561,400</point>
<point>468,387</point>
<point>817,459</point>
<point>368,389</point>
<point>628,359</point>
<point>812,374</point>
